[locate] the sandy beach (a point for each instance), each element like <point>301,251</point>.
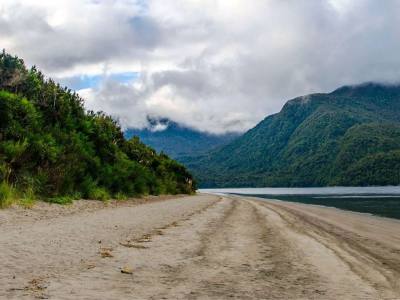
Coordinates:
<point>197,247</point>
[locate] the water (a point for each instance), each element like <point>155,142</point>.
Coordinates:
<point>381,201</point>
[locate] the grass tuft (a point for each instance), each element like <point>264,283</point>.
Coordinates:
<point>63,200</point>
<point>121,196</point>
<point>28,198</point>
<point>7,195</point>
<point>99,193</point>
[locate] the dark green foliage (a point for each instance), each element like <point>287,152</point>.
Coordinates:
<point>348,137</point>
<point>51,146</point>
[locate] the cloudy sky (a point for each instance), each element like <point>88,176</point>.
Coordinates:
<point>215,65</point>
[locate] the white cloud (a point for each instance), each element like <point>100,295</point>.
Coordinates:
<point>212,64</point>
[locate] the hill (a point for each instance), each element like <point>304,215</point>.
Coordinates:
<point>50,147</point>
<point>348,137</point>
<point>177,140</point>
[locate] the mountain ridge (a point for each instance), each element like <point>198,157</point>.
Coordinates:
<point>306,143</point>
<point>178,140</point>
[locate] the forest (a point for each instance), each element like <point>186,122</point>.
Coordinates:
<point>52,148</point>
<point>349,137</point>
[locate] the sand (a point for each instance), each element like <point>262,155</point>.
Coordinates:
<point>197,247</point>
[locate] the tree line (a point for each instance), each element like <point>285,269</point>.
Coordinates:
<point>52,148</point>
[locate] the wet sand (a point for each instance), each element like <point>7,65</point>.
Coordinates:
<point>197,247</point>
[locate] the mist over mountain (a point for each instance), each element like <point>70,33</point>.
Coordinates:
<point>177,140</point>
<point>348,137</point>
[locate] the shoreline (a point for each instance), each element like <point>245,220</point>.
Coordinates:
<point>352,203</point>
<point>324,206</point>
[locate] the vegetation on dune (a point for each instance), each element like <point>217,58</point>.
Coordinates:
<point>348,137</point>
<point>50,147</point>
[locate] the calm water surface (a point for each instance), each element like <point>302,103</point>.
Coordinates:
<point>381,201</point>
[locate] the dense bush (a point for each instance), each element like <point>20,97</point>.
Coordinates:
<point>52,147</point>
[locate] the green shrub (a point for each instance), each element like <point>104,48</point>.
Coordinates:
<point>3,172</point>
<point>6,195</point>
<point>120,196</point>
<point>63,200</point>
<point>51,147</point>
<point>28,198</point>
<point>99,193</point>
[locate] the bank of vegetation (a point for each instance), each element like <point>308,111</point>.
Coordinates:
<point>52,148</point>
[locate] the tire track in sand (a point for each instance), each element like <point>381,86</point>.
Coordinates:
<point>353,272</point>
<point>239,255</point>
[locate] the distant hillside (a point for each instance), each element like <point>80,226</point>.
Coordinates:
<point>177,140</point>
<point>348,137</point>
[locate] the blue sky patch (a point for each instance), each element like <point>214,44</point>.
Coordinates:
<point>91,81</point>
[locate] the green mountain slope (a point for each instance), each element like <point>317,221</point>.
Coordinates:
<point>348,137</point>
<point>51,147</point>
<point>177,140</point>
